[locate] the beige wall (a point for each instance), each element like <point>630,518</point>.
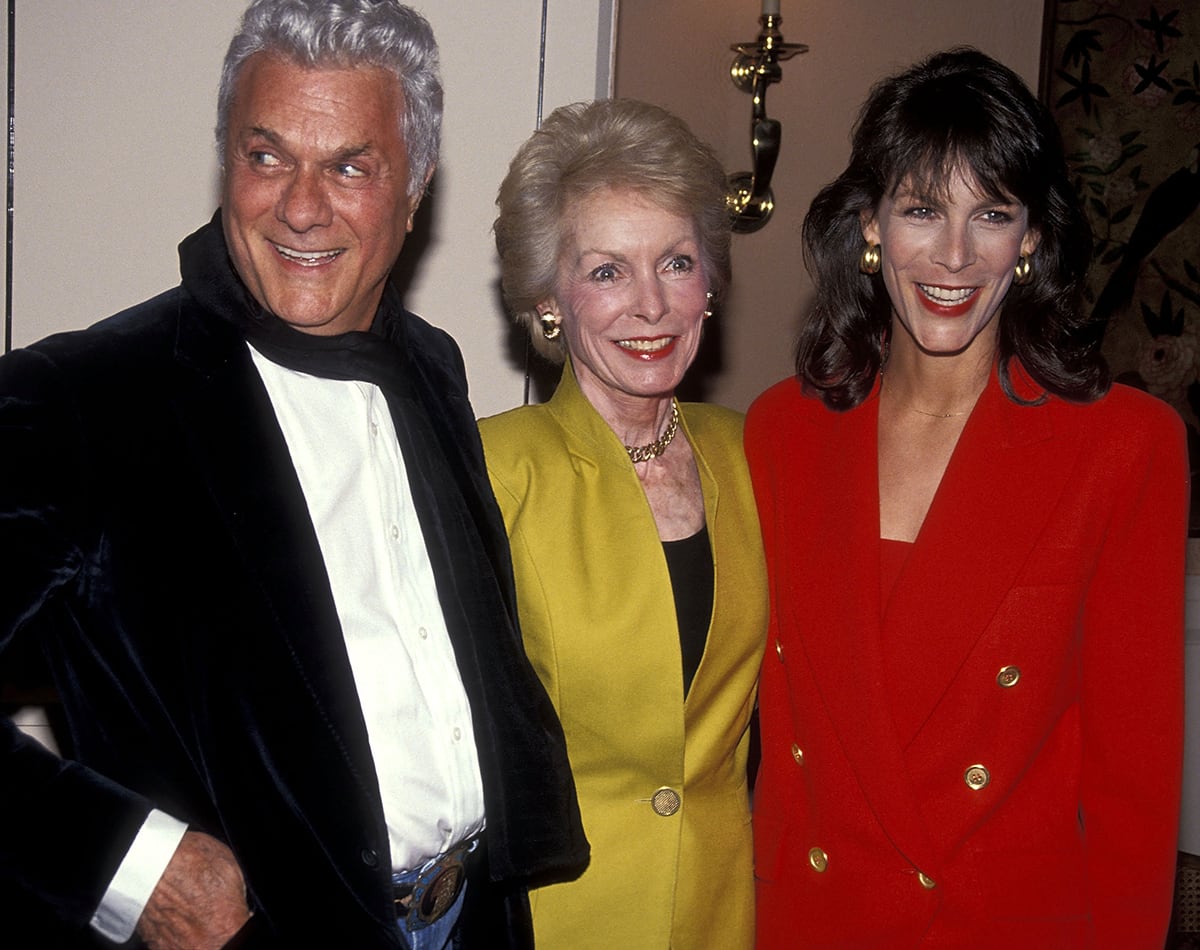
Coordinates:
<point>676,53</point>
<point>115,105</point>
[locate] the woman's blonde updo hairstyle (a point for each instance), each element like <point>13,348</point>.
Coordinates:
<point>586,147</point>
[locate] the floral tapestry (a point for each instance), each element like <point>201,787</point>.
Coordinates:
<point>1123,79</point>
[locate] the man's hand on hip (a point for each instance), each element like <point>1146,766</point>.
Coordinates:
<point>199,902</point>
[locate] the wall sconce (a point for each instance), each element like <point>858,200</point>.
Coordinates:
<point>754,68</point>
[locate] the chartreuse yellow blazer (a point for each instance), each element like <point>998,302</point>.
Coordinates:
<point>661,779</point>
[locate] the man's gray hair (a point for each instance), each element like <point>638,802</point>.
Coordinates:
<point>348,33</point>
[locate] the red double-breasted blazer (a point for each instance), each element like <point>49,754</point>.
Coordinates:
<point>994,759</point>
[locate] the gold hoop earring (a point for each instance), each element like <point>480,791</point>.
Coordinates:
<point>871,260</point>
<point>1023,272</point>
<point>550,327</point>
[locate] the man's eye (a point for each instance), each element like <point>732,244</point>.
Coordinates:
<point>350,171</point>
<point>265,159</point>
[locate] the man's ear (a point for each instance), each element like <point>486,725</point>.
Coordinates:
<point>416,202</point>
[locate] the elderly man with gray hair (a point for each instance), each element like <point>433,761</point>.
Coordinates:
<point>250,529</point>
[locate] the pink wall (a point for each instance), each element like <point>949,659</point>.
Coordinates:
<point>676,54</point>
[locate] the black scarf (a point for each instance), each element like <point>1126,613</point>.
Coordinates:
<point>377,356</point>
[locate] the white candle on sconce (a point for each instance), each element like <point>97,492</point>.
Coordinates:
<point>770,7</point>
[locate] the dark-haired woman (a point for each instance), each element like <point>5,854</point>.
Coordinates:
<point>972,700</point>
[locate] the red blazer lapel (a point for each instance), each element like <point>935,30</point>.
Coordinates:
<point>998,492</point>
<point>836,609</point>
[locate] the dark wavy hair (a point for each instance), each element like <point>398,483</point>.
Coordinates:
<point>959,110</point>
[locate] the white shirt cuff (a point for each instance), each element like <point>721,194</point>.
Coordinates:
<point>122,904</point>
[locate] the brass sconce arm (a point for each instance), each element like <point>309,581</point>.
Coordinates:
<point>754,68</point>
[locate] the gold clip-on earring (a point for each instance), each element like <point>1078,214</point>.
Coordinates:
<point>550,327</point>
<point>1023,272</point>
<point>871,260</point>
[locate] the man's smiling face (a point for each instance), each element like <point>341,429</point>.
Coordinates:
<point>315,202</point>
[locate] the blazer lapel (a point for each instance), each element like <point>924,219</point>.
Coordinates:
<point>715,650</point>
<point>239,451</point>
<point>836,600</point>
<point>997,493</point>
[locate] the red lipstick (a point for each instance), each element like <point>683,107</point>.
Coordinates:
<point>648,352</point>
<point>943,309</point>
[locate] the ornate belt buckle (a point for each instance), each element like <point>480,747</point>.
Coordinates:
<point>437,889</point>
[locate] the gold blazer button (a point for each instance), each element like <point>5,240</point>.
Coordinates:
<point>977,777</point>
<point>665,802</point>
<point>797,754</point>
<point>1008,676</point>
<point>926,882</point>
<point>818,859</point>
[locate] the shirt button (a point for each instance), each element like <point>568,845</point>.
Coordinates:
<point>1008,676</point>
<point>423,633</point>
<point>976,777</point>
<point>395,532</point>
<point>374,428</point>
<point>457,733</point>
<point>665,802</point>
<point>818,859</point>
<point>798,754</point>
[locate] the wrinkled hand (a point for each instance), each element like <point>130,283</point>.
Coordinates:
<point>200,901</point>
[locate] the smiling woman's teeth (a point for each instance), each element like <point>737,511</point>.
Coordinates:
<point>645,346</point>
<point>946,295</point>
<point>306,257</point>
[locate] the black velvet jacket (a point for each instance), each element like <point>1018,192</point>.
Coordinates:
<point>157,546</point>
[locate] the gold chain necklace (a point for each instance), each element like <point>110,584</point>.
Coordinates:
<point>644,453</point>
